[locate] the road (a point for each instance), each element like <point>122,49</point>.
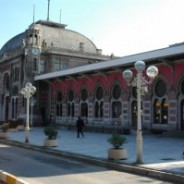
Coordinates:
<point>39,168</point>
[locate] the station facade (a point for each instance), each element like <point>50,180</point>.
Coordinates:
<point>73,78</point>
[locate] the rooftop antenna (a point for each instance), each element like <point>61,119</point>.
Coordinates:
<point>33,14</point>
<point>60,16</point>
<point>48,10</point>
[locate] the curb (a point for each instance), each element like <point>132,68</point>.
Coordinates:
<point>129,168</point>
<point>10,179</point>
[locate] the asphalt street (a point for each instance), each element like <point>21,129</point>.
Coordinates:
<point>40,168</point>
<point>160,153</point>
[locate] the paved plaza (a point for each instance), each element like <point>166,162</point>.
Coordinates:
<point>159,152</point>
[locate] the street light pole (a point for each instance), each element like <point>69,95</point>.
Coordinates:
<point>139,81</point>
<point>27,92</point>
<point>33,101</point>
<point>139,125</point>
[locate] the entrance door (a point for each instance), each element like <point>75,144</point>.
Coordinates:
<point>134,114</point>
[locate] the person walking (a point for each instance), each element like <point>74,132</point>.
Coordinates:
<point>80,126</point>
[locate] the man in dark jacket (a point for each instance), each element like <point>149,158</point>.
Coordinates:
<point>80,126</point>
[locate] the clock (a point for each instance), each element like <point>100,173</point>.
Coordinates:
<point>35,51</point>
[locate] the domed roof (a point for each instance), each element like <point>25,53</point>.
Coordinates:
<point>56,35</point>
<point>13,43</point>
<point>64,38</point>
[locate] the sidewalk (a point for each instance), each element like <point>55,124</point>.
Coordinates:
<point>159,152</point>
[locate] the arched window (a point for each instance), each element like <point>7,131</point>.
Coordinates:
<point>160,105</point>
<point>30,39</point>
<point>14,107</point>
<point>116,109</point>
<point>59,105</point>
<point>99,103</point>
<point>160,88</point>
<point>116,106</point>
<point>84,103</point>
<point>116,92</point>
<point>6,81</point>
<point>70,105</point>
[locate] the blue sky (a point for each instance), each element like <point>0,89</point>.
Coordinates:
<point>121,27</point>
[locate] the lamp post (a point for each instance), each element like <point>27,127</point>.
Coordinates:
<point>33,101</point>
<point>139,81</point>
<point>27,92</point>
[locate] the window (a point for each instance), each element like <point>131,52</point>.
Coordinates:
<point>84,104</point>
<point>116,92</point>
<point>56,65</point>
<point>160,104</point>
<point>71,95</point>
<point>6,81</point>
<point>84,94</point>
<point>134,92</point>
<point>34,64</point>
<point>70,106</point>
<point>60,64</point>
<point>116,109</point>
<point>99,93</point>
<point>59,104</point>
<point>161,111</point>
<point>42,66</point>
<point>116,106</point>
<point>84,109</point>
<point>99,103</point>
<point>160,88</point>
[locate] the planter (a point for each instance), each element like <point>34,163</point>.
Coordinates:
<point>20,128</point>
<point>50,143</point>
<point>3,135</point>
<point>13,130</point>
<point>117,154</point>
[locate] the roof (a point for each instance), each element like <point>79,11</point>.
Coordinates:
<point>117,63</point>
<point>56,35</point>
<point>13,43</point>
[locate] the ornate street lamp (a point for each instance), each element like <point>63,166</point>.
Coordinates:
<point>140,82</point>
<point>27,92</point>
<point>32,103</point>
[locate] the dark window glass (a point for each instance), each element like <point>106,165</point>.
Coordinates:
<point>60,110</point>
<point>182,87</point>
<point>134,92</point>
<point>84,109</point>
<point>99,93</point>
<point>116,92</point>
<point>116,109</point>
<point>160,88</point>
<point>71,95</point>
<point>59,96</point>
<point>84,94</point>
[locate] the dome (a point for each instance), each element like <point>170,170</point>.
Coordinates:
<point>13,43</point>
<point>56,35</point>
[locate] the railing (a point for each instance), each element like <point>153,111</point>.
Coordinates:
<point>96,122</point>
